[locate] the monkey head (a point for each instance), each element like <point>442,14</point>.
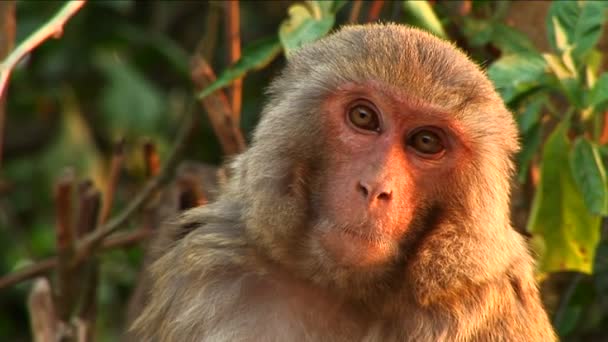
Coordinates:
<point>382,160</point>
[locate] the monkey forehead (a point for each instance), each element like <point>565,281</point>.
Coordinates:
<point>424,66</point>
<point>414,63</point>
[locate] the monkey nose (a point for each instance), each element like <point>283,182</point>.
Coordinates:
<point>375,192</point>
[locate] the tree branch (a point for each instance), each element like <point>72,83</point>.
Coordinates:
<point>7,39</point>
<point>42,267</point>
<point>90,243</point>
<point>53,28</point>
<point>234,53</point>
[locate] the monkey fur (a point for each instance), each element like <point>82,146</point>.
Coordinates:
<point>249,266</point>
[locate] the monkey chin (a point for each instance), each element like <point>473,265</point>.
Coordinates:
<point>352,249</point>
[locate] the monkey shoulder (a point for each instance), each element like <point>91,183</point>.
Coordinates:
<point>518,312</point>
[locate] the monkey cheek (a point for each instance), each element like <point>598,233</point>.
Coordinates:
<point>349,250</point>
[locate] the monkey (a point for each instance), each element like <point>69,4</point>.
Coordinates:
<point>371,205</point>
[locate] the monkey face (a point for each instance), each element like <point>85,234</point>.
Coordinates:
<point>383,153</point>
<point>389,160</point>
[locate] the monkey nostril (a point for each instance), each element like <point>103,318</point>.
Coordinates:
<point>363,189</point>
<point>385,196</point>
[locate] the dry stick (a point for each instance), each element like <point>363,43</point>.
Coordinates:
<point>44,266</point>
<point>90,200</point>
<point>118,157</point>
<point>64,193</point>
<point>7,39</point>
<point>90,243</point>
<point>218,109</point>
<point>42,312</point>
<point>465,7</point>
<point>375,9</point>
<point>353,17</point>
<point>151,159</point>
<point>53,28</point>
<point>234,53</point>
<point>206,46</point>
<point>604,136</point>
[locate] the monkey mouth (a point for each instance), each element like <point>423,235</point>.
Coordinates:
<point>357,246</point>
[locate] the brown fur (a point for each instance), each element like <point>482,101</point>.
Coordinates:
<point>249,271</point>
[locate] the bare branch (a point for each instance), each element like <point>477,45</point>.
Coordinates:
<point>353,17</point>
<point>7,39</point>
<point>64,193</point>
<point>375,10</point>
<point>218,109</point>
<point>151,159</point>
<point>42,267</point>
<point>53,28</point>
<point>90,243</point>
<point>118,157</point>
<point>42,312</point>
<point>234,53</point>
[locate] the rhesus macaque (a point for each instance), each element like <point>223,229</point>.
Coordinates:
<point>372,205</point>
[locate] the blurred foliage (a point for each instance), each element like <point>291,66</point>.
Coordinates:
<point>121,70</point>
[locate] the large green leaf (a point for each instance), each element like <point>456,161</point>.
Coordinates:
<point>564,231</point>
<point>563,68</point>
<point>599,93</point>
<point>255,56</point>
<point>510,40</point>
<point>516,73</point>
<point>590,175</point>
<point>600,276</point>
<point>530,128</point>
<point>576,24</point>
<point>134,105</point>
<point>531,141</point>
<point>421,14</point>
<point>307,22</point>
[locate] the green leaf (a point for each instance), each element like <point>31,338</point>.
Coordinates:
<point>478,32</point>
<point>566,74</point>
<point>511,41</point>
<point>576,24</point>
<point>564,231</point>
<point>516,73</point>
<point>138,112</point>
<point>599,93</point>
<point>531,141</point>
<point>531,114</point>
<point>422,15</point>
<point>589,175</point>
<point>307,22</point>
<point>601,268</point>
<point>254,57</point>
<point>571,316</point>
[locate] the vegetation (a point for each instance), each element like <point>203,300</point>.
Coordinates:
<point>94,123</point>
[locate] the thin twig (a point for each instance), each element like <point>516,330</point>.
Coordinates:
<point>218,109</point>
<point>42,311</point>
<point>64,201</point>
<point>53,28</point>
<point>90,243</point>
<point>118,157</point>
<point>151,159</point>
<point>234,53</point>
<point>353,17</point>
<point>42,267</point>
<point>375,10</point>
<point>7,39</point>
<point>88,274</point>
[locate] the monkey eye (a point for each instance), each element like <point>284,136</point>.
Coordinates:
<point>363,116</point>
<point>426,142</point>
